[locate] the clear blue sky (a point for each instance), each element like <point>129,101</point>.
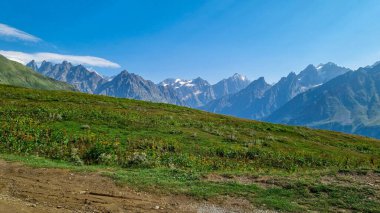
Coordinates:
<point>189,38</point>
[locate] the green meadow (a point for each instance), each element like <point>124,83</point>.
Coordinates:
<point>168,149</point>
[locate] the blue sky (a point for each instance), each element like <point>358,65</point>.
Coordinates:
<point>190,38</point>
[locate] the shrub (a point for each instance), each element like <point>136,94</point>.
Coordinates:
<point>74,157</point>
<point>92,155</point>
<point>107,159</point>
<point>138,159</point>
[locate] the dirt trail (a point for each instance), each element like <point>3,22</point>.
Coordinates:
<point>29,190</point>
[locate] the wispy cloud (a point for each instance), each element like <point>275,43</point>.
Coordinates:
<point>8,32</point>
<point>24,58</point>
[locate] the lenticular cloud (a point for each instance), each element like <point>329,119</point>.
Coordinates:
<point>24,58</point>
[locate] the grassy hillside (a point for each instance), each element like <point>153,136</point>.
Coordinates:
<point>13,73</point>
<point>171,149</point>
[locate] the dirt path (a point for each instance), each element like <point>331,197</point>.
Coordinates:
<point>25,189</point>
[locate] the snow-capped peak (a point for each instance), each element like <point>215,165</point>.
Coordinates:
<point>240,77</point>
<point>177,83</point>
<point>328,64</point>
<point>320,66</point>
<point>180,82</point>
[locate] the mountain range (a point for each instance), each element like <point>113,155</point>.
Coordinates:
<point>349,103</point>
<point>129,85</point>
<point>78,76</point>
<point>259,99</point>
<point>192,93</point>
<point>326,96</point>
<point>198,92</point>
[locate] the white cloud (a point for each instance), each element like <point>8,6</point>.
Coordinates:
<point>9,32</point>
<point>24,58</point>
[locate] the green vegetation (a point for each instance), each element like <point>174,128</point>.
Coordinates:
<point>13,73</point>
<point>171,149</point>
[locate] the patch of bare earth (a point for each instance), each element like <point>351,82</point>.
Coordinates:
<point>32,190</point>
<point>369,179</point>
<point>262,181</point>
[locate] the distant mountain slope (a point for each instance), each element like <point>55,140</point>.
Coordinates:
<point>129,85</point>
<point>230,85</point>
<point>198,92</point>
<point>14,73</point>
<point>240,101</point>
<point>193,93</point>
<point>124,85</point>
<point>349,103</point>
<point>78,76</point>
<point>276,96</point>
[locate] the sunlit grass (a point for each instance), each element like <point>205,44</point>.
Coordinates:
<point>170,149</point>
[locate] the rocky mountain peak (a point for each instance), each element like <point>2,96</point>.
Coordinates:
<point>65,63</point>
<point>45,65</point>
<point>261,80</point>
<point>199,80</point>
<point>291,75</point>
<point>240,77</point>
<point>124,72</point>
<point>32,64</point>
